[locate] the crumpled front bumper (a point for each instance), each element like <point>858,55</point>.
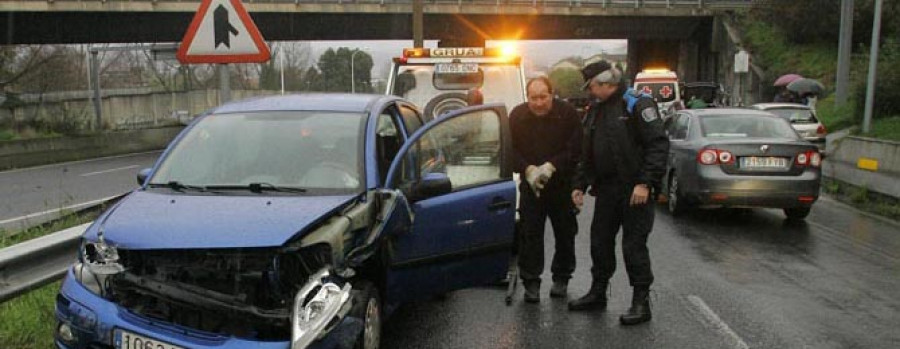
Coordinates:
<point>93,320</point>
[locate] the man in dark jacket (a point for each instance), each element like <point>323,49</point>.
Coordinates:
<point>623,161</point>
<point>546,136</point>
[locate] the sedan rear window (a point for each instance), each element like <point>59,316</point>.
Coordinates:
<point>746,126</point>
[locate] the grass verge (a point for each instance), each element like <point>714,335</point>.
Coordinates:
<point>28,321</point>
<point>862,198</point>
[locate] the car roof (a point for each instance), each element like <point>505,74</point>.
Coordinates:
<point>727,111</point>
<point>341,102</point>
<point>780,106</point>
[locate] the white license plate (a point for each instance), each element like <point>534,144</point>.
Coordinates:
<point>763,162</point>
<point>456,68</point>
<point>129,340</point>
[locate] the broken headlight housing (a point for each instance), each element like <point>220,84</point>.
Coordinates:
<point>318,307</point>
<point>96,262</point>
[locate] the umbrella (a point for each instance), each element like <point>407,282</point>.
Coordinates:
<point>786,79</point>
<point>807,86</point>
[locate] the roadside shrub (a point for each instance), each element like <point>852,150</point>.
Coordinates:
<point>887,85</point>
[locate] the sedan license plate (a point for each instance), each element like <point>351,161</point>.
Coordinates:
<point>130,340</point>
<point>763,163</point>
<point>456,68</point>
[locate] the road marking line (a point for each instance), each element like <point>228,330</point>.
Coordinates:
<point>717,323</point>
<point>44,213</point>
<point>80,161</point>
<point>108,171</point>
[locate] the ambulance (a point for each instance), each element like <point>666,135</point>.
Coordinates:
<point>437,79</point>
<point>663,85</point>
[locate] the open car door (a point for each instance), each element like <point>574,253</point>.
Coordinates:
<point>453,180</point>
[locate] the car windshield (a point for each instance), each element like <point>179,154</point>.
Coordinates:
<point>316,151</point>
<point>444,91</point>
<point>745,126</point>
<point>795,115</point>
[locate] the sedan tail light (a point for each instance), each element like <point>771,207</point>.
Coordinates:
<point>811,158</point>
<point>714,157</point>
<point>821,130</point>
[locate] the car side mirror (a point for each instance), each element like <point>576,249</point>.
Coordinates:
<point>142,175</point>
<point>431,185</point>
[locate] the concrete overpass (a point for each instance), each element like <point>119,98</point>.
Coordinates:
<point>674,33</point>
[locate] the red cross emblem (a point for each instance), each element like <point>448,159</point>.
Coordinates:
<point>647,90</point>
<point>665,91</point>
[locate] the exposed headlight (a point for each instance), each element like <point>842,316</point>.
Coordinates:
<point>317,305</point>
<point>87,278</point>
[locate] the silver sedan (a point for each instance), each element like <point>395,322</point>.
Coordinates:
<point>740,158</point>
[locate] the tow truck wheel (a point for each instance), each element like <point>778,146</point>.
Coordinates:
<point>444,103</point>
<point>367,306</point>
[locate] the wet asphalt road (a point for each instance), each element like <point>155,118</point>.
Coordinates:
<point>31,196</point>
<point>724,279</point>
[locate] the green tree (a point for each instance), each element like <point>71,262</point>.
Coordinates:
<point>334,67</point>
<point>567,82</point>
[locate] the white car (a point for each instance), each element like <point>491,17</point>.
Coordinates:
<point>801,117</point>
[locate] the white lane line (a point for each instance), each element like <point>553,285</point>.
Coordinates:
<point>717,323</point>
<point>108,171</point>
<point>47,212</point>
<point>80,161</point>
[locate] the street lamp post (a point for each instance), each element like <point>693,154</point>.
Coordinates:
<point>353,71</point>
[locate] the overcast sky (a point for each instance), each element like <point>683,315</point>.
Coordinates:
<point>538,53</point>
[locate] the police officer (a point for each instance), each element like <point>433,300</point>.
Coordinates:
<point>546,137</point>
<point>623,161</point>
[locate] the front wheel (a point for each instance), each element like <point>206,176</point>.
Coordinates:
<point>367,306</point>
<point>797,213</point>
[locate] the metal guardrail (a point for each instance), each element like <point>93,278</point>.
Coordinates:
<point>34,263</point>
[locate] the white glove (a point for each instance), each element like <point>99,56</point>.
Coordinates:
<point>533,177</point>
<point>546,171</point>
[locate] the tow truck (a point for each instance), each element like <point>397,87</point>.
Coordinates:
<point>663,85</point>
<point>437,79</point>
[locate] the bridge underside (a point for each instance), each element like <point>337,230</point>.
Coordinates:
<point>145,27</point>
<point>681,43</point>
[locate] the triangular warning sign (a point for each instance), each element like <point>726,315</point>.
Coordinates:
<point>222,32</point>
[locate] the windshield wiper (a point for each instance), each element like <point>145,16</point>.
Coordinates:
<point>178,186</point>
<point>259,187</point>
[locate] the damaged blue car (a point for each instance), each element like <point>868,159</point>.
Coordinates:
<point>295,222</point>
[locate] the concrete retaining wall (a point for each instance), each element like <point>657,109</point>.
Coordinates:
<point>865,162</point>
<point>120,109</point>
<point>33,152</point>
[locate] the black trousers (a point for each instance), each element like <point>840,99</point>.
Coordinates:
<point>554,203</point>
<point>612,211</point>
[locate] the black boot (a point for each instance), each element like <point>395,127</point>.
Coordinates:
<point>594,299</point>
<point>640,307</point>
<point>532,290</point>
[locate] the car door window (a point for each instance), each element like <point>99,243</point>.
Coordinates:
<point>681,127</point>
<point>388,141</point>
<point>466,149</point>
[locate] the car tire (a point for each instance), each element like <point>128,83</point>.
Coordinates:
<point>675,201</point>
<point>444,103</point>
<point>797,213</point>
<point>367,306</point>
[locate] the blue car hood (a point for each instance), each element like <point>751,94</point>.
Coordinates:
<point>153,220</point>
